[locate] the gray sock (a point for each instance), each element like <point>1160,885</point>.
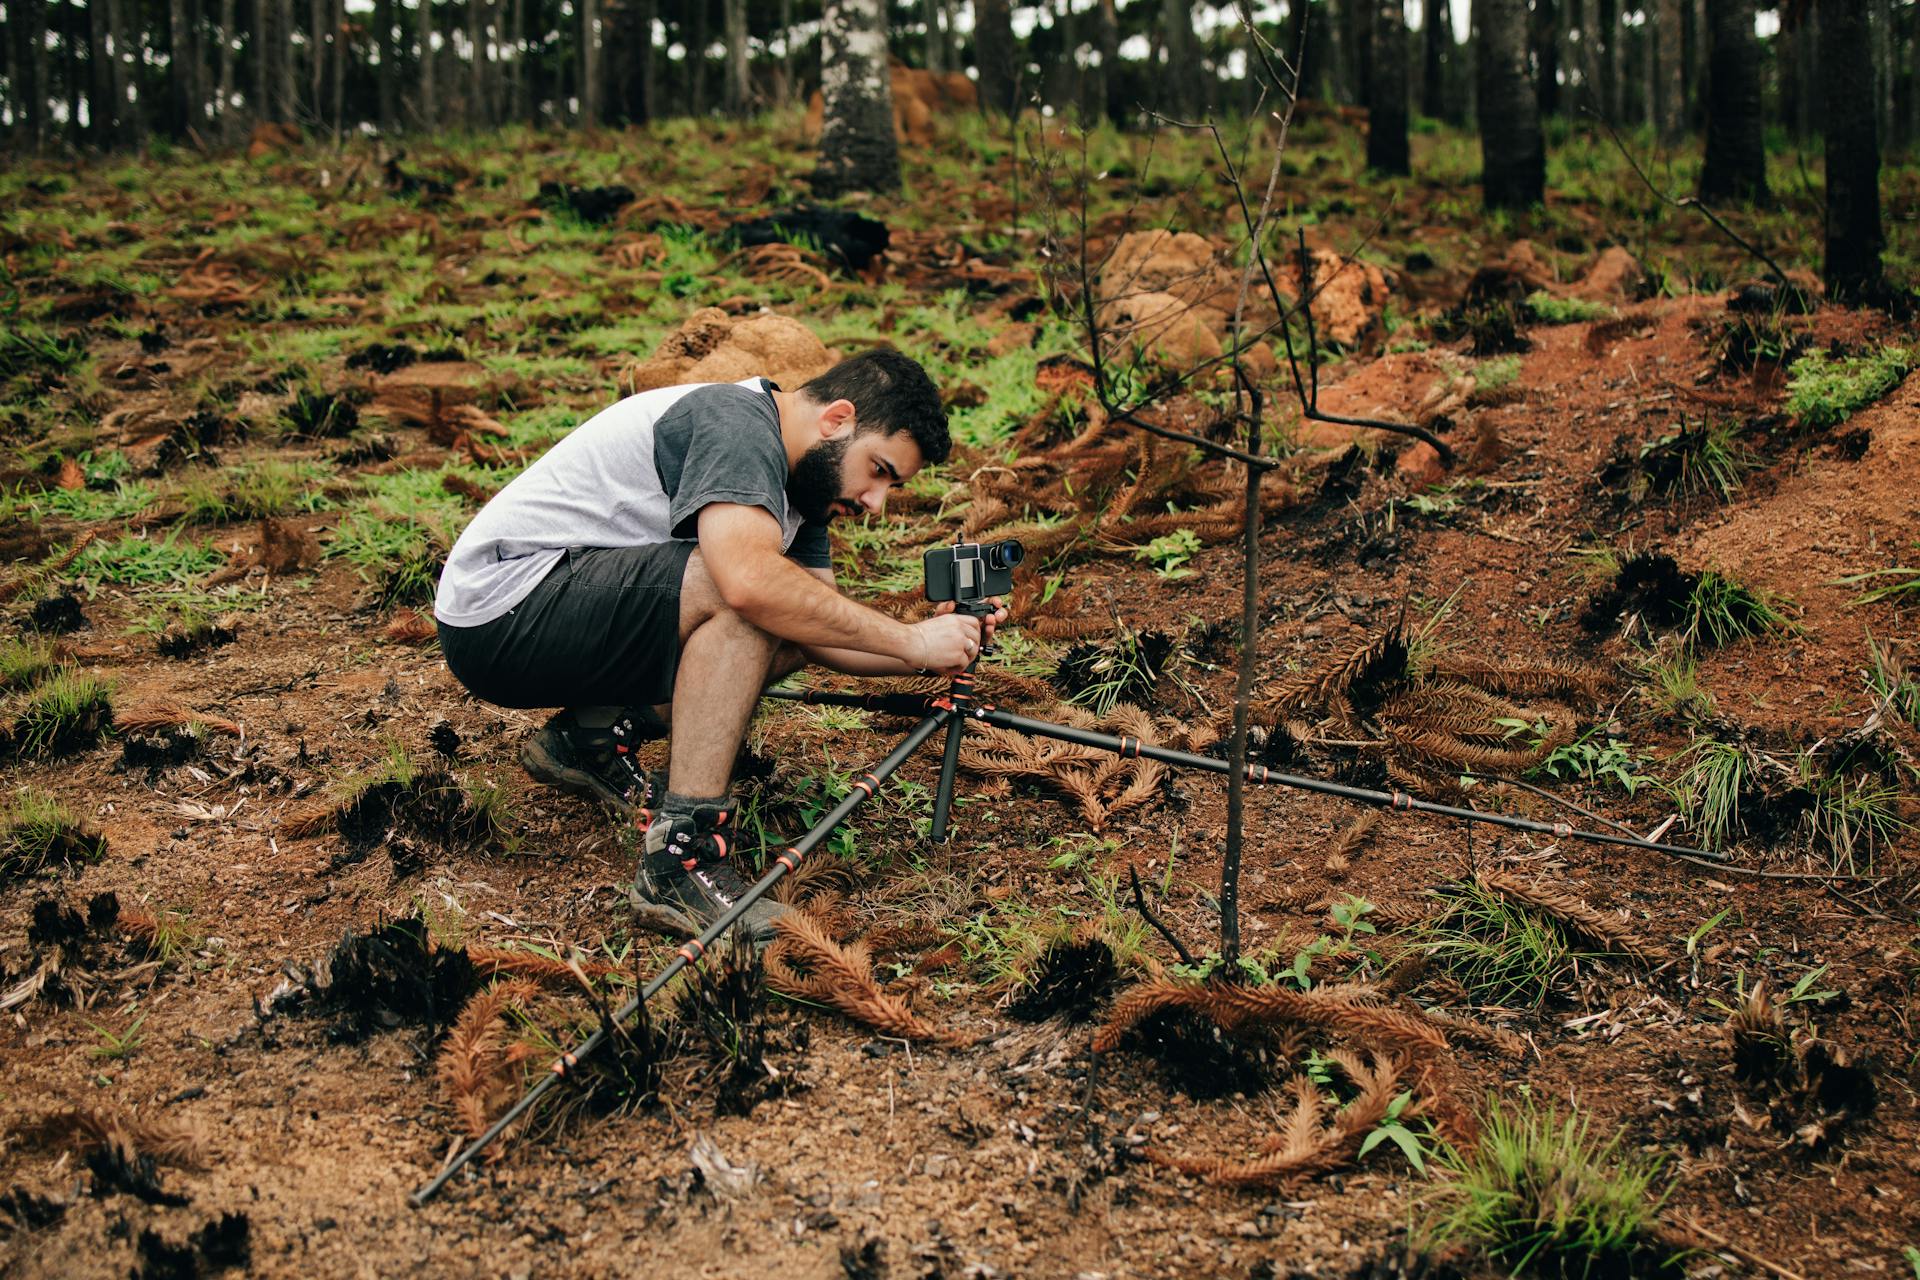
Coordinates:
<point>683,806</point>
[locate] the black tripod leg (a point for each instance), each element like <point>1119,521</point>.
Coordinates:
<point>949,765</point>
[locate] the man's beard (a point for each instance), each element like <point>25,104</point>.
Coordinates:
<point>814,484</point>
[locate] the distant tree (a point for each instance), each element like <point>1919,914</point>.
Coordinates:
<point>994,54</point>
<point>1668,60</point>
<point>1387,89</point>
<point>1513,154</point>
<point>1852,266</point>
<point>1109,95</point>
<point>1436,41</point>
<point>1183,94</point>
<point>1736,159</point>
<point>857,149</point>
<point>738,96</point>
<point>1546,55</point>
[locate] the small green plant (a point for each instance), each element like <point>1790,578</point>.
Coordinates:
<point>64,713</point>
<point>1592,760</point>
<point>1169,553</point>
<point>37,831</point>
<point>1500,952</point>
<point>1824,390</point>
<point>1708,788</point>
<point>1495,375</point>
<point>1803,989</point>
<point>25,662</point>
<point>1721,610</point>
<point>1393,1129</point>
<point>1699,460</point>
<point>1853,818</point>
<point>1539,1194</point>
<point>118,1046</point>
<point>1891,683</point>
<point>1551,310</point>
<point>1673,683</point>
<point>137,561</point>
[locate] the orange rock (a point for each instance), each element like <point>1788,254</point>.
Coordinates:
<point>715,347</point>
<point>1419,465</point>
<point>1614,277</point>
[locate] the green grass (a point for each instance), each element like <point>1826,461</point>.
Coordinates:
<point>116,502</point>
<point>1708,789</point>
<point>1902,587</point>
<point>140,560</point>
<point>1551,310</point>
<point>1722,610</point>
<point>1495,374</point>
<point>1502,953</point>
<point>117,1046</point>
<point>64,713</point>
<point>1539,1195</point>
<point>1703,459</point>
<point>37,831</point>
<point>268,488</point>
<point>1854,819</point>
<point>1825,390</point>
<point>25,661</point>
<point>1673,684</point>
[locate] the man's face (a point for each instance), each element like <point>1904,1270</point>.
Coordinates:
<point>851,473</point>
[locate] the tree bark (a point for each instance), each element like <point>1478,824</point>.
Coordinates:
<point>131,106</point>
<point>1387,90</point>
<point>589,63</point>
<point>225,89</point>
<point>337,65</point>
<point>1436,36</point>
<point>1513,153</point>
<point>1669,59</point>
<point>100,113</point>
<point>787,87</point>
<point>388,77</point>
<point>1333,41</point>
<point>429,106</point>
<point>994,54</point>
<point>857,149</point>
<point>1736,159</point>
<point>1112,91</point>
<point>1182,93</point>
<point>27,40</point>
<point>738,98</point>
<point>1852,269</point>
<point>1546,54</point>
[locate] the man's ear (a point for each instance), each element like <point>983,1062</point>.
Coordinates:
<point>836,419</point>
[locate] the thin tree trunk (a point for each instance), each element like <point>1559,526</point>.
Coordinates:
<point>1335,43</point>
<point>1606,27</point>
<point>429,108</point>
<point>27,32</point>
<point>697,55</point>
<point>1112,90</point>
<point>1387,89</point>
<point>100,112</point>
<point>1669,59</point>
<point>227,33</point>
<point>1434,39</point>
<point>787,87</point>
<point>1735,167</point>
<point>475,115</point>
<point>1852,267</point>
<point>993,53</point>
<point>388,77</point>
<point>1182,94</point>
<point>132,104</point>
<point>1513,154</point>
<point>337,57</point>
<point>857,148</point>
<point>737,99</point>
<point>589,64</point>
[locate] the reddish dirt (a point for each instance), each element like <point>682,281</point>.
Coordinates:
<point>988,1160</point>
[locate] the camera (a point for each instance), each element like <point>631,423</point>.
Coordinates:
<point>971,571</point>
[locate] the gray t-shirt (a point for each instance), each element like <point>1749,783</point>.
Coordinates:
<point>635,473</point>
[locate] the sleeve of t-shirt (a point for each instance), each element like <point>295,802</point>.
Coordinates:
<point>810,547</point>
<point>719,444</point>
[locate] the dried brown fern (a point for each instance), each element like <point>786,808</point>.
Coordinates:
<point>78,1128</point>
<point>1231,1006</point>
<point>1340,852</point>
<point>151,717</point>
<point>1552,679</point>
<point>47,570</point>
<point>806,962</point>
<point>1573,912</point>
<point>1318,688</point>
<point>475,1068</point>
<point>507,962</point>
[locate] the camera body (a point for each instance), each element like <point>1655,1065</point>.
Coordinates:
<point>969,572</point>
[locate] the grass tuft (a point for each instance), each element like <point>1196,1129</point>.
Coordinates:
<point>1722,610</point>
<point>65,713</point>
<point>1539,1195</point>
<point>37,831</point>
<point>1501,952</point>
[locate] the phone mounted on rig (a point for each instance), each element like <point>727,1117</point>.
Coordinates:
<point>968,572</point>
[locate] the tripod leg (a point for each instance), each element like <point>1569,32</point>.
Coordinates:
<point>949,765</point>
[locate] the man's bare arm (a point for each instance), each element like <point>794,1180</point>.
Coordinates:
<point>851,661</point>
<point>741,548</point>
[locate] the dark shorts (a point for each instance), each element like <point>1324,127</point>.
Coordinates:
<point>601,630</point>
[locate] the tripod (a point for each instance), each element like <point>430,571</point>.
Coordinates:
<point>953,711</point>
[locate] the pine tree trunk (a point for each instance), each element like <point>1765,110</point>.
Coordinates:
<point>1387,90</point>
<point>100,112</point>
<point>788,90</point>
<point>1852,269</point>
<point>1335,44</point>
<point>1669,59</point>
<point>227,34</point>
<point>131,104</point>
<point>1513,154</point>
<point>27,37</point>
<point>589,64</point>
<point>388,77</point>
<point>1182,95</point>
<point>738,98</point>
<point>857,149</point>
<point>993,54</point>
<point>1546,53</point>
<point>1736,160</point>
<point>429,107</point>
<point>697,56</point>
<point>1606,26</point>
<point>337,66</point>
<point>1436,34</point>
<point>1111,99</point>
<point>935,47</point>
<point>476,113</point>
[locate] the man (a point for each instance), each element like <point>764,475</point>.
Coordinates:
<point>663,564</point>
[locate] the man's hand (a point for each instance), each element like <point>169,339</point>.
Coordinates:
<point>948,642</point>
<point>989,623</point>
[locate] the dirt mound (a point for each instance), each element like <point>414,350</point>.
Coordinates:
<point>713,346</point>
<point>919,98</point>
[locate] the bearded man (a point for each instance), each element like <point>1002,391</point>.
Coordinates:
<point>654,571</point>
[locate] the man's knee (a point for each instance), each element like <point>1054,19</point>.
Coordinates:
<point>787,659</point>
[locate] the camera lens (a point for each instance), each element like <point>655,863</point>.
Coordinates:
<point>1004,555</point>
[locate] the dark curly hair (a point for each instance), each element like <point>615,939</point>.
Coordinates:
<point>890,392</point>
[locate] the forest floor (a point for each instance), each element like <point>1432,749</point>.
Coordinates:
<point>230,743</point>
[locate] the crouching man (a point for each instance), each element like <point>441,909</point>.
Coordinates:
<point>654,571</point>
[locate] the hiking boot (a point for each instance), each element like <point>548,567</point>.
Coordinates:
<point>687,864</point>
<point>599,763</point>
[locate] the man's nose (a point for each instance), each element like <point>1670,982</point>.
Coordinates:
<point>874,501</point>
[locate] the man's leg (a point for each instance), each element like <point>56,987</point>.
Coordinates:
<point>725,664</point>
